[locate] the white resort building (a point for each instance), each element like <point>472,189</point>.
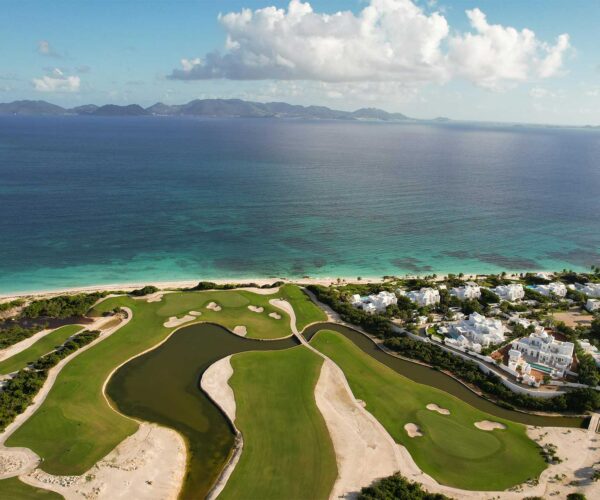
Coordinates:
<point>542,352</point>
<point>511,292</point>
<point>423,297</point>
<point>590,289</point>
<point>374,303</point>
<point>476,332</point>
<point>469,291</point>
<point>592,305</point>
<point>557,288</point>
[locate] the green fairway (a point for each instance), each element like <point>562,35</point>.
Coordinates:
<point>306,310</point>
<point>234,311</point>
<point>42,346</point>
<point>75,427</point>
<point>287,449</point>
<point>452,449</point>
<point>14,489</point>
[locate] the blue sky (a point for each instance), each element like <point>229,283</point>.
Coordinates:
<point>73,52</point>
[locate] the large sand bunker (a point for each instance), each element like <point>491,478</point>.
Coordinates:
<point>413,430</point>
<point>488,425</point>
<point>439,409</point>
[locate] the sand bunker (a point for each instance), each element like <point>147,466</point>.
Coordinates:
<point>155,297</point>
<point>195,313</point>
<point>256,309</point>
<point>214,382</point>
<point>439,409</point>
<point>274,315</point>
<point>147,465</point>
<point>413,430</point>
<point>213,306</point>
<point>240,330</point>
<point>487,425</point>
<point>363,449</point>
<point>175,321</point>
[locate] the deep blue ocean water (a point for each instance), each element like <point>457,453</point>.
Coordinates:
<point>89,200</point>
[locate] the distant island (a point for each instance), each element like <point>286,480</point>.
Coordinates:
<point>202,107</point>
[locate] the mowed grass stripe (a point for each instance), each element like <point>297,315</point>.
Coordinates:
<point>287,451</point>
<point>452,449</point>
<point>42,346</point>
<point>15,489</point>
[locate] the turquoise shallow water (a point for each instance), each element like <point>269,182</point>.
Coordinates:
<point>89,200</point>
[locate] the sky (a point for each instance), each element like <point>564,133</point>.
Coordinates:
<point>533,61</point>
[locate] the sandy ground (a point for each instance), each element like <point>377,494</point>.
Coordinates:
<point>213,306</point>
<point>413,430</point>
<point>240,330</point>
<point>24,344</point>
<point>364,451</point>
<point>573,318</point>
<point>16,461</point>
<point>155,297</point>
<point>215,383</point>
<point>488,425</point>
<point>439,409</point>
<point>150,464</point>
<point>256,309</point>
<point>174,321</point>
<point>274,315</point>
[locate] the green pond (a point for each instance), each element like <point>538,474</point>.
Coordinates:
<point>435,378</point>
<point>162,386</point>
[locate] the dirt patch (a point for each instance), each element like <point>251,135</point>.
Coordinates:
<point>439,409</point>
<point>573,318</point>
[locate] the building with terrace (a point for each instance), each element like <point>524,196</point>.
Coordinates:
<point>511,292</point>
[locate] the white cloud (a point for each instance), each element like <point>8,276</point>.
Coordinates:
<point>388,41</point>
<point>44,48</point>
<point>57,81</point>
<point>540,93</point>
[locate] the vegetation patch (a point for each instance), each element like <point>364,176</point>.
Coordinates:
<point>43,346</point>
<point>398,487</point>
<point>452,449</point>
<point>287,449</point>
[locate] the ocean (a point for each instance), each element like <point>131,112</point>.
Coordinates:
<point>93,200</point>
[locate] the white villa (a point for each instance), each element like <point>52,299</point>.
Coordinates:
<point>556,288</point>
<point>423,297</point>
<point>466,292</point>
<point>590,349</point>
<point>544,353</point>
<point>374,303</point>
<point>511,292</point>
<point>521,368</point>
<point>476,332</point>
<point>590,289</point>
<point>592,305</point>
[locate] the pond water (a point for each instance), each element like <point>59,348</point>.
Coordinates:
<point>162,386</point>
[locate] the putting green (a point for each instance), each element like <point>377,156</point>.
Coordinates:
<point>452,450</point>
<point>75,427</point>
<point>287,450</point>
<point>42,346</point>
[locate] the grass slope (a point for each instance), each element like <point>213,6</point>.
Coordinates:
<point>287,449</point>
<point>452,450</point>
<point>14,489</point>
<point>306,310</point>
<point>75,427</point>
<point>42,346</point>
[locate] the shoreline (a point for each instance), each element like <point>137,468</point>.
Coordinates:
<point>175,284</point>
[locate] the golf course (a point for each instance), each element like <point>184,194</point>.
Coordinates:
<point>450,448</point>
